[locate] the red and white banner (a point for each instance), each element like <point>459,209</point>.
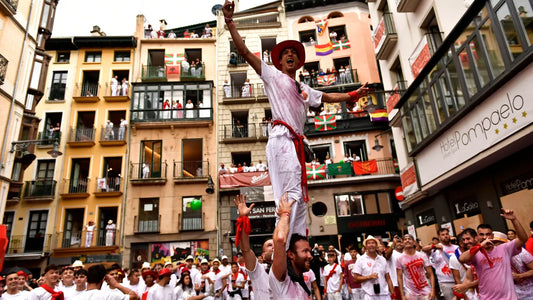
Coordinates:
<point>228,181</point>
<point>408,177</point>
<point>393,99</point>
<point>379,35</point>
<point>420,57</point>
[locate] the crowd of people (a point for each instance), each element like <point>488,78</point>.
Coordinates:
<point>150,33</point>
<point>343,75</point>
<point>243,168</point>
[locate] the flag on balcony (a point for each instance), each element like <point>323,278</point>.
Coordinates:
<point>316,172</point>
<point>174,69</point>
<point>326,79</point>
<point>174,59</point>
<point>341,45</point>
<point>365,167</point>
<point>323,50</point>
<point>379,115</point>
<point>325,123</point>
<point>339,169</point>
<point>321,26</point>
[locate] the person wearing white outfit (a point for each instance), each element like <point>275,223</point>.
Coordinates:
<point>334,277</point>
<point>114,86</point>
<point>89,233</point>
<point>110,230</point>
<point>372,271</point>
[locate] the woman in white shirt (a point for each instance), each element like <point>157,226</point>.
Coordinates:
<point>185,290</point>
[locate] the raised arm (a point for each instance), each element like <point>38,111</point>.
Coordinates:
<point>254,61</point>
<point>520,232</point>
<point>247,253</point>
<point>350,98</point>
<point>280,237</point>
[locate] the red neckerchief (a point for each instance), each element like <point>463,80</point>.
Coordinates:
<point>243,223</point>
<point>56,295</point>
<point>204,272</point>
<point>300,152</point>
<point>243,275</point>
<point>477,247</point>
<point>144,296</point>
<point>331,272</point>
<point>217,271</point>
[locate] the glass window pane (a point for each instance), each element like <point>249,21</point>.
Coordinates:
<point>371,205</point>
<point>436,90</point>
<point>356,204</point>
<point>457,96</point>
<point>416,124</point>
<point>469,74</point>
<point>408,130</point>
<point>525,12</point>
<point>430,116</point>
<point>384,203</point>
<point>509,30</point>
<point>343,205</point>
<point>495,56</point>
<point>479,60</point>
<point>422,119</point>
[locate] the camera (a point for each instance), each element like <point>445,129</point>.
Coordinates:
<point>377,289</point>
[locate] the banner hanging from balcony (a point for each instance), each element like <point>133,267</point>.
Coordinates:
<point>324,49</point>
<point>173,69</point>
<point>315,172</point>
<point>228,181</point>
<point>339,169</point>
<point>3,244</point>
<point>365,167</point>
<point>393,99</point>
<point>341,45</point>
<point>379,115</point>
<point>420,57</point>
<point>325,123</point>
<point>326,79</point>
<point>174,59</point>
<point>321,26</point>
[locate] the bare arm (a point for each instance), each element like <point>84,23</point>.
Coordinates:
<point>429,271</point>
<point>316,290</point>
<point>399,273</point>
<point>456,276</point>
<point>341,283</point>
<point>360,279</point>
<point>247,253</point>
<point>345,97</point>
<point>280,237</point>
<point>254,61</point>
<point>520,232</point>
<point>113,283</point>
<point>389,283</point>
<point>526,274</point>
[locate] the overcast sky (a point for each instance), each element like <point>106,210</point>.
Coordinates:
<point>77,17</point>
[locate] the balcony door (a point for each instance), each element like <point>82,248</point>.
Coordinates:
<point>192,158</point>
<point>151,157</point>
<point>356,147</point>
<point>148,215</point>
<point>85,126</point>
<point>104,215</point>
<point>73,227</point>
<point>78,175</point>
<point>36,233</point>
<point>89,86</point>
<point>44,181</point>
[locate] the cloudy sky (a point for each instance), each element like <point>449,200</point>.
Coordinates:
<point>77,17</point>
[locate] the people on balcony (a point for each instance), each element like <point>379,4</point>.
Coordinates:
<point>114,86</point>
<point>227,89</point>
<point>166,106</point>
<point>264,127</point>
<point>110,231</point>
<point>307,79</point>
<point>186,34</point>
<point>109,134</point>
<point>185,66</point>
<point>190,109</point>
<point>194,35</point>
<point>125,86</point>
<point>342,75</point>
<point>233,169</point>
<point>246,88</point>
<point>266,56</point>
<point>51,132</point>
<point>349,78</point>
<point>222,169</point>
<point>171,34</point>
<point>122,129</point>
<point>208,30</point>
<point>238,129</point>
<point>261,167</point>
<point>89,228</point>
<point>145,171</point>
<point>178,110</point>
<point>148,31</point>
<point>333,36</point>
<point>252,168</point>
<point>233,58</point>
<point>160,33</point>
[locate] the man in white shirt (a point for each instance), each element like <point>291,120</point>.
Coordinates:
<point>334,278</point>
<point>12,291</point>
<point>80,280</point>
<point>95,277</point>
<point>225,266</point>
<point>134,281</point>
<point>48,290</point>
<point>219,279</point>
<point>372,271</point>
<point>67,285</point>
<point>235,282</point>
<point>261,167</point>
<point>222,169</point>
<point>391,254</point>
<point>189,261</point>
<point>205,281</point>
<point>439,258</point>
<point>149,278</point>
<point>462,271</point>
<point>162,290</point>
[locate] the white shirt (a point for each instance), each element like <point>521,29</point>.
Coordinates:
<point>392,267</point>
<point>239,280</point>
<point>17,296</point>
<point>102,295</point>
<point>260,281</point>
<point>68,291</point>
<point>309,278</point>
<point>335,279</point>
<point>261,167</point>
<point>158,292</point>
<point>365,266</point>
<point>183,294</point>
<point>40,294</point>
<point>439,260</point>
<point>286,289</point>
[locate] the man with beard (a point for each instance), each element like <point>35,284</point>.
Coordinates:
<point>372,271</point>
<point>412,267</point>
<point>391,254</point>
<point>439,257</point>
<point>493,263</point>
<point>285,278</point>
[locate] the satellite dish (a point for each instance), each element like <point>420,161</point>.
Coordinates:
<point>215,8</point>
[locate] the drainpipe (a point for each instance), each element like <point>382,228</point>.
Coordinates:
<point>12,107</point>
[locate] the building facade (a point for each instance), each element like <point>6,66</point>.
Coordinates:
<point>463,126</point>
<point>170,213</point>
<point>25,26</point>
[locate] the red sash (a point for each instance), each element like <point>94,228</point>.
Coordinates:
<point>56,295</point>
<point>331,272</point>
<point>300,152</point>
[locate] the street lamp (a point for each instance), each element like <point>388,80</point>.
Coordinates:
<point>27,157</point>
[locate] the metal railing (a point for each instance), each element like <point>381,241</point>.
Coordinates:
<point>33,243</point>
<point>192,72</point>
<point>3,67</point>
<point>57,91</point>
<point>76,186</point>
<point>39,188</point>
<point>82,134</point>
<point>48,135</point>
<point>148,171</point>
<point>243,91</point>
<point>120,90</point>
<point>154,72</point>
<point>109,184</point>
<point>146,225</point>
<point>73,239</point>
<point>236,59</point>
<point>87,89</point>
<point>162,115</point>
<point>239,131</point>
<point>191,223</point>
<point>267,18</point>
<point>105,238</point>
<point>111,133</point>
<point>191,169</point>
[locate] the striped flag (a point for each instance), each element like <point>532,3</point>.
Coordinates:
<point>321,26</point>
<point>379,115</point>
<point>341,45</point>
<point>323,50</point>
<point>325,123</point>
<point>326,79</point>
<point>315,172</point>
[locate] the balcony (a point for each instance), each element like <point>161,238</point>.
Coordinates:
<point>148,173</point>
<point>153,73</point>
<point>46,136</point>
<point>394,96</point>
<point>258,21</point>
<point>109,187</point>
<point>188,222</point>
<point>192,73</point>
<point>191,171</point>
<point>113,136</point>
<point>81,137</point>
<point>9,7</point>
<point>120,93</point>
<point>146,225</point>
<point>75,188</point>
<point>236,60</point>
<point>75,242</point>
<point>241,94</point>
<point>29,245</point>
<point>87,92</point>
<point>3,63</point>
<point>346,122</point>
<point>57,92</point>
<point>191,117</point>
<point>406,5</point>
<point>39,190</point>
<point>385,37</point>
<point>245,133</point>
<point>425,49</point>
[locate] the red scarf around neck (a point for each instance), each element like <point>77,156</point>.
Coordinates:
<point>56,295</point>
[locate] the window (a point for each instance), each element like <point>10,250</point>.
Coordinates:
<point>349,205</point>
<point>79,175</point>
<point>107,233</point>
<point>267,44</point>
<point>122,56</point>
<point>84,126</point>
<point>9,218</point>
<point>335,14</point>
<point>306,19</point>
<point>432,31</point>
<point>90,84</point>
<point>156,57</point>
<point>356,147</point>
<point>45,169</point>
<point>36,233</point>
<point>364,203</point>
<point>237,83</point>
<point>51,128</point>
<point>192,164</point>
<point>59,84</point>
<point>151,157</point>
<point>191,213</point>
<point>308,37</point>
<point>73,229</point>
<point>337,33</point>
<point>235,58</point>
<point>239,158</point>
<point>111,174</point>
<point>63,57</point>
<point>93,56</point>
<point>321,152</point>
<point>239,126</point>
<point>148,215</point>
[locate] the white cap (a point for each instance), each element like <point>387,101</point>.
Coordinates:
<point>204,261</point>
<point>146,265</point>
<point>224,257</point>
<point>77,263</point>
<point>189,257</point>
